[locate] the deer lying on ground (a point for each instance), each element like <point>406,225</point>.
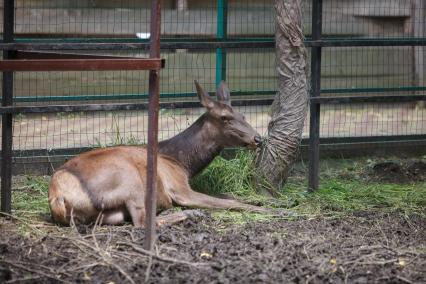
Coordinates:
<point>110,183</point>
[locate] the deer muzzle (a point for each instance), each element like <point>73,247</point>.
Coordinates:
<point>258,140</point>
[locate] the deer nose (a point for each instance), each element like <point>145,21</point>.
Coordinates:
<point>258,140</point>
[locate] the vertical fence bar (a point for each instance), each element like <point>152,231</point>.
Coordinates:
<point>7,100</point>
<point>314,130</point>
<point>418,13</point>
<point>221,34</point>
<point>153,108</point>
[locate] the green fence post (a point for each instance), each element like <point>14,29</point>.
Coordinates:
<point>221,34</point>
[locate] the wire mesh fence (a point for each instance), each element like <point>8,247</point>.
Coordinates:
<point>250,72</point>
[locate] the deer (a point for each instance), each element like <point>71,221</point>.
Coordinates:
<point>110,182</point>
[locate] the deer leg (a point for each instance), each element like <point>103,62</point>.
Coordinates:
<point>177,217</point>
<point>171,218</point>
<point>137,212</point>
<point>115,217</point>
<point>190,198</point>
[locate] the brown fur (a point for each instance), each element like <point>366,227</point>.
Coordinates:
<point>111,182</point>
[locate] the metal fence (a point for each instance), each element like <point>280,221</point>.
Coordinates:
<point>367,69</point>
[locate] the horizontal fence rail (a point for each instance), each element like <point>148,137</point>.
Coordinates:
<point>330,141</point>
<point>367,99</point>
<point>80,64</point>
<point>195,104</point>
<point>233,94</point>
<point>208,44</point>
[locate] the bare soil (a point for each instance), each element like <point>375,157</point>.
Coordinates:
<point>364,247</point>
<point>398,171</point>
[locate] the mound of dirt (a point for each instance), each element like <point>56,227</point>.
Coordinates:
<point>363,248</point>
<point>398,172</point>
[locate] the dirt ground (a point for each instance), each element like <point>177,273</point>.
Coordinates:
<point>360,248</point>
<point>394,171</point>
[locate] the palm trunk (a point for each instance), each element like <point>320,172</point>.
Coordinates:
<point>289,108</point>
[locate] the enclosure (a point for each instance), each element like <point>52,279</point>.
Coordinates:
<point>367,112</point>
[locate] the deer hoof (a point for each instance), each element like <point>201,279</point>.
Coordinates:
<point>196,213</point>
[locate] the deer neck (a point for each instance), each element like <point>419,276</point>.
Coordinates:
<point>195,147</point>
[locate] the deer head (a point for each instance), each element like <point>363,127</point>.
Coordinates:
<point>232,128</point>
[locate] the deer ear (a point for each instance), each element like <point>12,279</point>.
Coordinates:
<point>205,99</point>
<point>223,94</point>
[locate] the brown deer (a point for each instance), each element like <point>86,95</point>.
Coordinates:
<point>110,183</point>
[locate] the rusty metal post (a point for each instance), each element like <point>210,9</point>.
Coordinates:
<point>7,100</point>
<point>154,101</point>
<point>314,128</point>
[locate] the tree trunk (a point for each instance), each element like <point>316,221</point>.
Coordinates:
<point>181,5</point>
<point>279,151</point>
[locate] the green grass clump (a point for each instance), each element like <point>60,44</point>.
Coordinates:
<point>30,196</point>
<point>337,196</point>
<point>342,191</point>
<point>229,176</point>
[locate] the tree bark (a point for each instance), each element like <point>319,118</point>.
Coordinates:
<point>182,5</point>
<point>280,149</point>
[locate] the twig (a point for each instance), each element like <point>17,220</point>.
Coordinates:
<point>373,247</point>
<point>85,267</point>
<point>383,234</point>
<point>148,269</point>
<point>23,279</point>
<point>20,187</point>
<point>359,259</point>
<point>403,279</point>
<point>99,253</point>
<point>93,231</point>
<point>162,258</point>
<point>50,269</point>
<point>72,223</point>
<point>378,262</point>
<point>75,241</point>
<point>33,270</point>
<point>105,255</point>
<point>50,162</point>
<point>306,253</point>
<point>122,272</point>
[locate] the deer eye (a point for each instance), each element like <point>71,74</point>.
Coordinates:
<point>224,118</point>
